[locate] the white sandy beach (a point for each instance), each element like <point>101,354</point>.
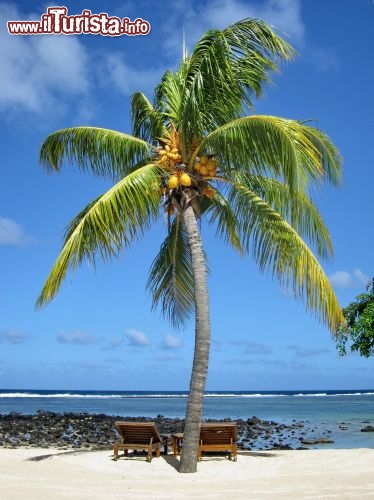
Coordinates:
<point>340,474</point>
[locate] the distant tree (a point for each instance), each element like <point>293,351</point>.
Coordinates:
<point>358,333</point>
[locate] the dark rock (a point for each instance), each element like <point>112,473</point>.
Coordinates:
<point>253,421</point>
<point>97,431</point>
<point>317,441</point>
<point>282,447</point>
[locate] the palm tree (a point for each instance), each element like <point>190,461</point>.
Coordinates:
<point>199,154</point>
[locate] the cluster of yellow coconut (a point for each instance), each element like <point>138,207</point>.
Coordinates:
<point>179,178</point>
<point>183,179</point>
<point>169,155</point>
<point>206,167</point>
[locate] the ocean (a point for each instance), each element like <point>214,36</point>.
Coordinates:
<point>342,413</point>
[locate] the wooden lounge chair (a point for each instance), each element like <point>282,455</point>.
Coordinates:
<point>139,436</point>
<point>220,436</point>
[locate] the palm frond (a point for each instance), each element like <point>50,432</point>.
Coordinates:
<point>269,145</point>
<point>170,279</point>
<point>169,96</point>
<point>330,156</point>
<point>279,249</point>
<point>297,208</point>
<point>226,68</point>
<point>219,212</point>
<point>147,123</point>
<point>107,153</point>
<point>107,225</point>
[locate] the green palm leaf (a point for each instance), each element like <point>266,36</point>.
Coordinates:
<point>297,208</point>
<point>330,157</point>
<point>170,279</point>
<point>168,96</point>
<point>107,225</point>
<point>225,68</point>
<point>269,145</point>
<point>106,153</point>
<point>147,122</point>
<point>278,248</point>
<point>220,213</point>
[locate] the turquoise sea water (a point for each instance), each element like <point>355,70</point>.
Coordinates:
<point>342,413</point>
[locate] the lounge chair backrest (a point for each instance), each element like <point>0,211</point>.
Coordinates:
<point>138,432</point>
<point>218,433</point>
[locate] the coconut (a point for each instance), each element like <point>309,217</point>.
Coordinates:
<point>209,192</point>
<point>212,163</point>
<point>173,182</point>
<point>185,179</point>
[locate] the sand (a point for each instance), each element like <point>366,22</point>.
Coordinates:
<point>330,474</point>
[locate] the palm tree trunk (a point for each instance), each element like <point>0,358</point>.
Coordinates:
<point>194,411</point>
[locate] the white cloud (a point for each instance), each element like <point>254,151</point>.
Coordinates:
<point>269,365</point>
<point>168,357</point>
<point>80,338</point>
<point>48,75</point>
<point>114,343</point>
<point>323,59</point>
<point>12,233</point>
<point>345,279</point>
<point>86,367</point>
<point>284,15</point>
<point>113,360</point>
<point>308,351</point>
<point>341,279</point>
<point>37,70</point>
<point>126,78</point>
<point>14,337</point>
<point>292,365</point>
<point>252,347</point>
<point>361,277</point>
<point>137,338</point>
<point>171,342</point>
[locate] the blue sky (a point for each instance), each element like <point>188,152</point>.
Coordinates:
<point>100,331</point>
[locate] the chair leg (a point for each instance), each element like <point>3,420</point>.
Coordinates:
<point>115,452</point>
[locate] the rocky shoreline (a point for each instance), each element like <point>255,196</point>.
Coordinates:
<point>96,431</point>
